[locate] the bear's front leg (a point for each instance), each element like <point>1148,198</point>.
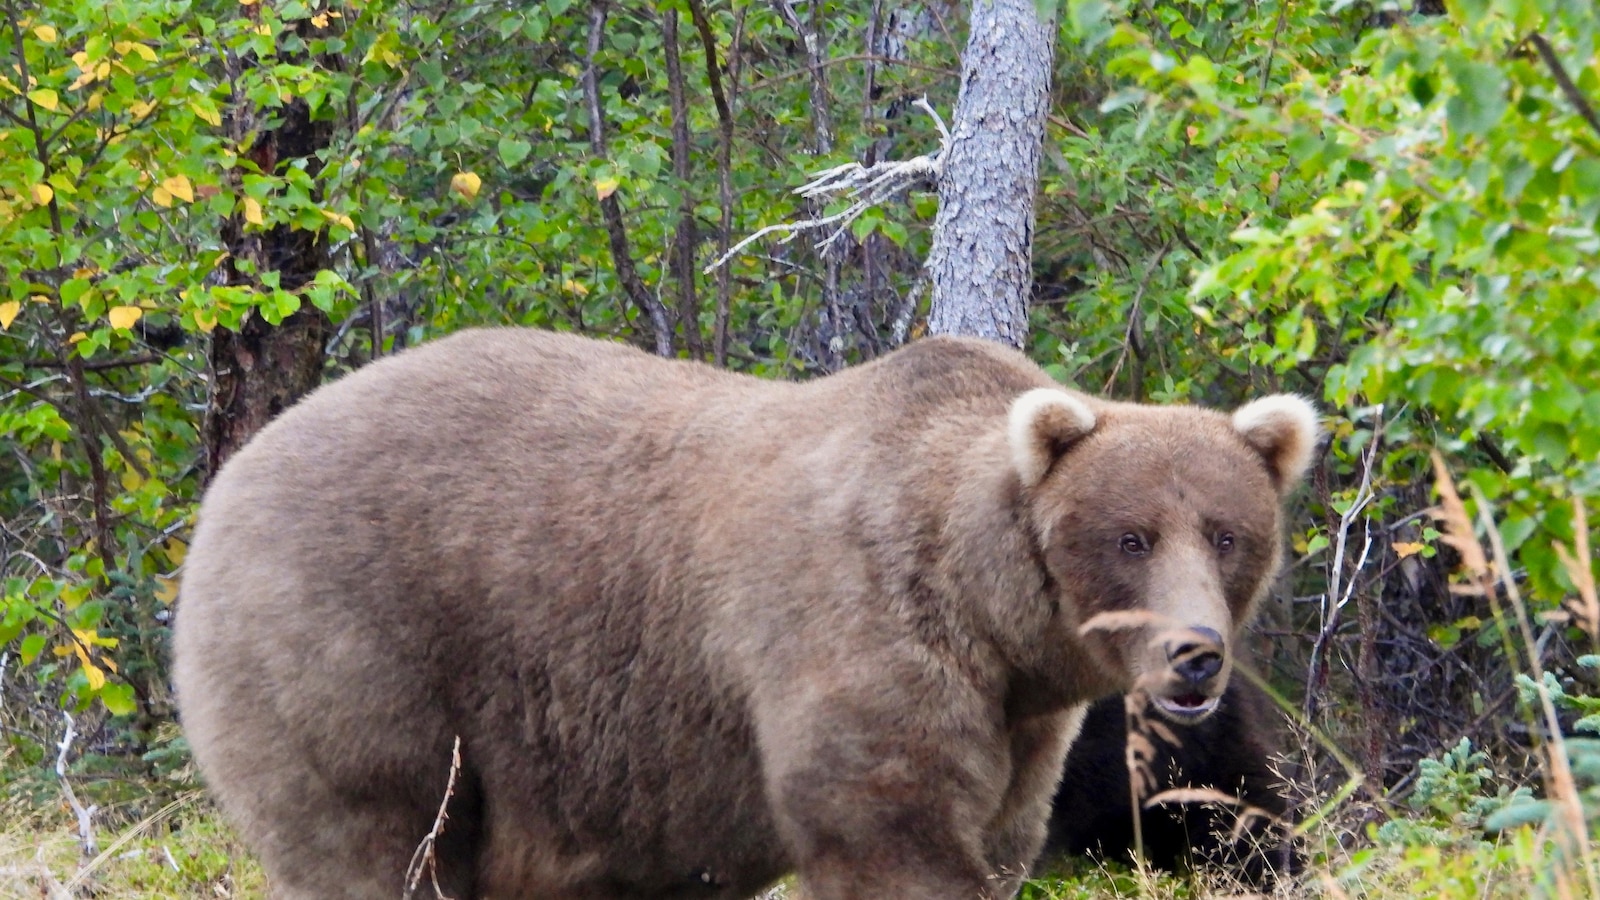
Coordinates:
<point>1039,746</point>
<point>876,803</point>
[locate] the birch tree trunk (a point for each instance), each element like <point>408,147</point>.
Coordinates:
<point>981,261</point>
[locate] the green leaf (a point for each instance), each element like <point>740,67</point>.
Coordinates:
<point>32,646</point>
<point>1480,98</point>
<point>513,150</point>
<point>118,698</point>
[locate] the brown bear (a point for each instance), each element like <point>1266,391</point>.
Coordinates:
<point>1229,752</point>
<point>696,630</point>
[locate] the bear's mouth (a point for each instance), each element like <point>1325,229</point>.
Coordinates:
<point>1186,706</point>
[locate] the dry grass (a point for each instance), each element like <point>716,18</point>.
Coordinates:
<point>182,851</point>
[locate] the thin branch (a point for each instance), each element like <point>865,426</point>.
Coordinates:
<point>685,236</point>
<point>816,66</point>
<point>708,42</point>
<point>423,859</point>
<point>610,206</point>
<point>85,816</point>
<point>1559,72</point>
<point>96,365</point>
<point>832,61</point>
<point>1338,593</point>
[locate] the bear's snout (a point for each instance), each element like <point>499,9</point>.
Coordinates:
<point>1197,657</point>
<point>1194,676</point>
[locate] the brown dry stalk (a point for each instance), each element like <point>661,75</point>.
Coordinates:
<point>1490,577</point>
<point>423,860</point>
<point>1452,513</point>
<point>1123,620</point>
<point>1580,568</point>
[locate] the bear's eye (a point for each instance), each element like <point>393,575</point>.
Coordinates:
<point>1224,541</point>
<point>1134,544</point>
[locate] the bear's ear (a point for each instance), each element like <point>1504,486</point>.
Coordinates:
<point>1043,424</point>
<point>1283,429</point>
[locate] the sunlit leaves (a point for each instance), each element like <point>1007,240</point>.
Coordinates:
<point>123,316</point>
<point>45,98</point>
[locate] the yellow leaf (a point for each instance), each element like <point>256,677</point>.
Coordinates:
<point>576,287</point>
<point>76,337</point>
<point>1403,549</point>
<point>124,316</point>
<point>247,2</point>
<point>177,551</point>
<point>40,298</point>
<point>142,108</point>
<point>466,184</point>
<point>342,219</point>
<point>45,97</point>
<point>320,20</point>
<point>166,589</point>
<point>8,313</point>
<point>45,33</point>
<point>82,80</point>
<point>161,197</point>
<point>42,193</point>
<point>264,30</point>
<point>137,49</point>
<point>178,186</point>
<point>97,678</point>
<point>207,113</point>
<point>605,187</point>
<point>205,320</point>
<point>252,211</point>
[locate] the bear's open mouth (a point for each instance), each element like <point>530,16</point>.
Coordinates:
<point>1187,706</point>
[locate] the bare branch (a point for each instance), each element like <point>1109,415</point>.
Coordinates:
<point>610,206</point>
<point>423,859</point>
<point>85,816</point>
<point>686,235</point>
<point>867,186</point>
<point>1564,81</point>
<point>708,42</point>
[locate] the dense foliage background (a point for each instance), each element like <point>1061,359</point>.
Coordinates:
<point>1391,207</point>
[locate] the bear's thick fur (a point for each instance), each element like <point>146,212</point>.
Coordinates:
<point>695,630</point>
<point>1230,752</point>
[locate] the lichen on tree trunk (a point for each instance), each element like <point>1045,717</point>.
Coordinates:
<point>981,259</point>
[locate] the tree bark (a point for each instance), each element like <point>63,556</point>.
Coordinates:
<point>260,370</point>
<point>981,261</point>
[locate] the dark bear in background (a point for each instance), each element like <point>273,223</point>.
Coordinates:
<point>1229,752</point>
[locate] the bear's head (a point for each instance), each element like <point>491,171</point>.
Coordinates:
<point>1159,530</point>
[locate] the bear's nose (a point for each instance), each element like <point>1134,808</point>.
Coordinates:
<point>1198,656</point>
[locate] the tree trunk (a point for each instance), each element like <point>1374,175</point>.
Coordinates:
<point>981,261</point>
<point>261,369</point>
